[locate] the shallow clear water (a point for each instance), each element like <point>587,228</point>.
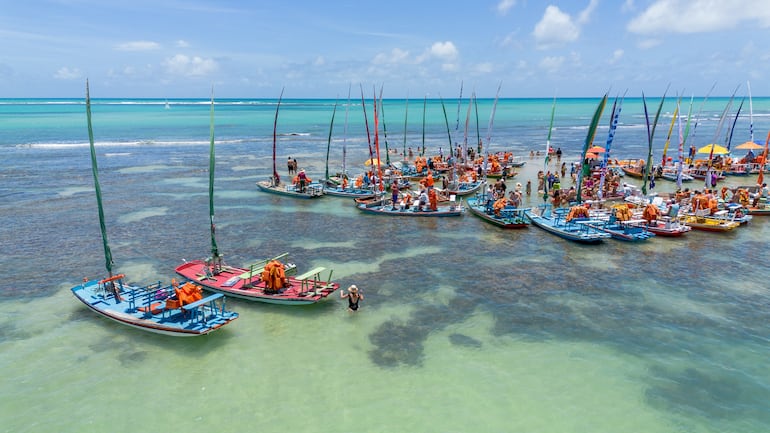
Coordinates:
<point>464,327</point>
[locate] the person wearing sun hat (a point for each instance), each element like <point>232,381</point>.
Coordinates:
<point>353,296</point>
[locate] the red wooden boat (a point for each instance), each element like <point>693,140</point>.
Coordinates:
<point>252,284</point>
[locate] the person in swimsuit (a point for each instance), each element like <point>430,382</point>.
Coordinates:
<point>353,296</point>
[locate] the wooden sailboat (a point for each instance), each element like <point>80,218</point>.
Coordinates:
<point>175,310</point>
<point>340,186</point>
<point>271,280</point>
<point>301,187</point>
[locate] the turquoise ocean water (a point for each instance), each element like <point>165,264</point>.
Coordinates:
<point>464,327</point>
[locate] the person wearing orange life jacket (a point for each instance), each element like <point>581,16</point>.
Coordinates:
<point>433,199</point>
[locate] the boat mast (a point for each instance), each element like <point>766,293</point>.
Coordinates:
<point>329,141</point>
<point>449,135</point>
<point>212,165</point>
<point>275,130</point>
<point>366,122</point>
<point>489,127</point>
<point>406,118</point>
<point>424,106</point>
<point>547,159</point>
<point>377,144</point>
<point>345,136</point>
<point>95,170</point>
<point>384,129</point>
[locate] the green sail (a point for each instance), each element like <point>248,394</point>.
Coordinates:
<point>587,145</point>
<point>95,170</point>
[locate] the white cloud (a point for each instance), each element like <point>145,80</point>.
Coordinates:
<point>188,66</point>
<point>396,55</point>
<point>698,16</point>
<point>555,28</point>
<point>504,6</point>
<point>616,55</point>
<point>444,50</point>
<point>552,63</point>
<point>319,61</point>
<point>585,15</point>
<point>65,73</point>
<point>558,28</point>
<point>182,43</point>
<point>484,68</point>
<point>646,44</point>
<point>138,46</point>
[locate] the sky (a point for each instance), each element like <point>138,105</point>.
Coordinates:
<point>318,49</point>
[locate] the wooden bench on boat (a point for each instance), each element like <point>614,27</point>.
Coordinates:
<point>194,307</point>
<point>313,277</point>
<point>255,269</point>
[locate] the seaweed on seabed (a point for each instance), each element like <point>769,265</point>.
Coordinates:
<point>712,395</point>
<point>402,343</point>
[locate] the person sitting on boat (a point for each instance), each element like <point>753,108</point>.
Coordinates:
<point>344,181</point>
<point>627,189</point>
<point>359,181</point>
<point>407,201</point>
<point>499,205</point>
<point>673,209</point>
<point>422,200</point>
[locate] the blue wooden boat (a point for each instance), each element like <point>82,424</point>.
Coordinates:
<point>576,230</point>
<point>155,308</point>
<point>464,188</point>
<point>171,310</point>
<point>509,218</point>
<point>622,230</point>
<point>338,191</point>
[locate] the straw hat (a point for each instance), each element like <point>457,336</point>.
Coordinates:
<point>353,289</point>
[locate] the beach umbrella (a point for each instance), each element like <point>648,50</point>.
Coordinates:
<point>750,145</point>
<point>591,155</point>
<point>714,148</point>
<point>372,161</point>
<point>596,149</point>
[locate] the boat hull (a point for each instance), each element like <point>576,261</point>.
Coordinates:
<point>576,232</point>
<point>508,219</point>
<point>349,193</point>
<point>442,211</point>
<point>311,191</point>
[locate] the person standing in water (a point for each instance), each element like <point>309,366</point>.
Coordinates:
<point>353,296</point>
